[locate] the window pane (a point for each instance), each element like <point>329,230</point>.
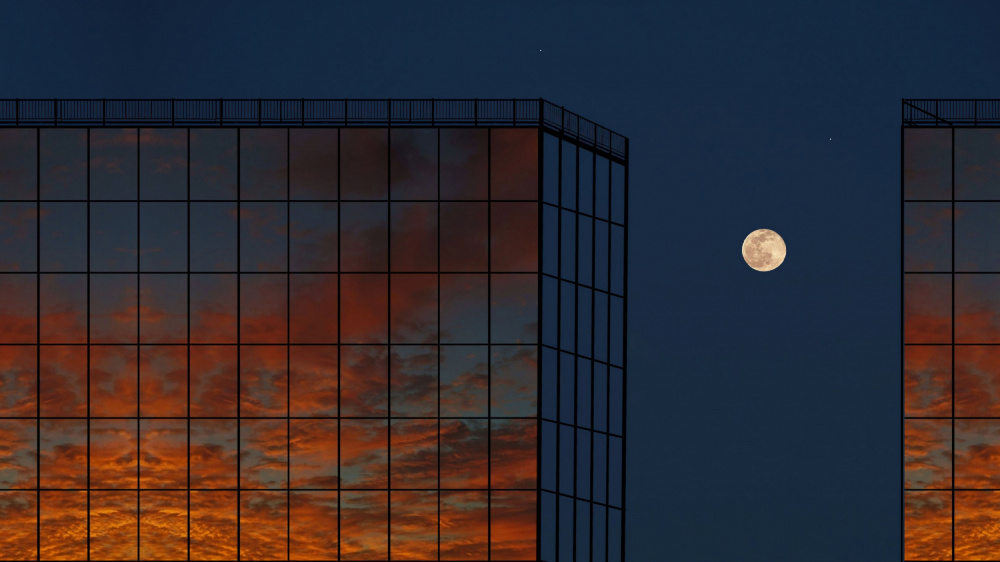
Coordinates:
<point>63,526</point>
<point>263,454</point>
<point>364,450</point>
<point>464,313</point>
<point>364,372</point>
<point>263,237</point>
<point>263,380</point>
<point>313,166</point>
<point>114,163</point>
<point>512,525</point>
<point>514,308</point>
<point>18,161</point>
<point>514,380</point>
<point>364,526</point>
<point>976,301</point>
<point>213,525</point>
<point>163,308</point>
<point>163,164</point>
<point>263,526</point>
<point>213,236</point>
<point>413,164</point>
<point>927,237</point>
<point>163,519</point>
<point>263,308</point>
<point>414,239</point>
<point>213,455</point>
<point>19,455</point>
<point>163,237</point>
<point>514,237</point>
<point>114,236</point>
<point>314,379</point>
<point>413,379</point>
<point>414,447</point>
<point>314,453</point>
<point>18,237</point>
<point>17,380</point>
<point>464,228</point>
<point>213,308</point>
<point>213,164</point>
<point>63,242</point>
<point>364,237</point>
<point>364,308</point>
<point>977,153</point>
<point>113,454</point>
<point>114,374</point>
<point>163,377</point>
<point>263,163</point>
<point>464,454</point>
<point>513,459</point>
<point>313,244</point>
<point>463,380</point>
<point>414,526</point>
<point>213,380</point>
<point>163,450</point>
<point>464,172</point>
<point>62,166</point>
<point>313,300</point>
<point>312,524</point>
<point>514,163</point>
<point>114,525</point>
<point>413,308</point>
<point>466,538</point>
<point>927,380</point>
<point>364,166</point>
<point>63,377</point>
<point>927,454</point>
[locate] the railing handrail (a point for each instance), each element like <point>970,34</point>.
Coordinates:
<point>952,112</point>
<point>305,112</point>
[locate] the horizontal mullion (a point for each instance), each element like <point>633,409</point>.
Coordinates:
<point>270,418</point>
<point>279,344</point>
<point>269,490</point>
<point>582,214</point>
<point>282,200</point>
<point>951,200</point>
<point>584,285</point>
<point>567,424</point>
<point>327,272</point>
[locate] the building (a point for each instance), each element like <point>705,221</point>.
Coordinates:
<point>951,328</point>
<point>311,330</point>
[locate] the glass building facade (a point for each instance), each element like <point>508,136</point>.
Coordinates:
<point>311,330</point>
<point>951,329</point>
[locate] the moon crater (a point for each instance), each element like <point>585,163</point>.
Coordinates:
<point>764,250</point>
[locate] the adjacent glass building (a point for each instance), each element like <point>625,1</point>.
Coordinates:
<point>311,330</point>
<point>951,329</point>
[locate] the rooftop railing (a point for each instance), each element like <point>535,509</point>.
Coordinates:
<point>950,112</point>
<point>311,112</point>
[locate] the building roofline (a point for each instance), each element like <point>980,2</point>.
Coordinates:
<point>312,113</point>
<point>951,112</point>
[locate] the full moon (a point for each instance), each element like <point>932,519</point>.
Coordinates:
<point>764,250</point>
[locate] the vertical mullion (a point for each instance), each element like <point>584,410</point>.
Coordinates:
<point>88,343</point>
<point>388,336</point>
<point>952,343</point>
<point>576,328</point>
<point>340,282</point>
<point>607,381</point>
<point>288,347</point>
<point>188,171</point>
<point>538,345</point>
<point>625,345</point>
<point>38,348</point>
<point>593,323</point>
<point>239,341</point>
<point>489,344</point>
<point>138,349</point>
<point>558,342</point>
<point>437,133</point>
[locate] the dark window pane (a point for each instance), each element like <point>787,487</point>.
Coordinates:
<point>163,308</point>
<point>463,380</point>
<point>464,172</point>
<point>163,236</point>
<point>263,163</point>
<point>414,241</point>
<point>62,166</point>
<point>114,163</point>
<point>413,380</point>
<point>114,307</point>
<point>313,166</point>
<point>364,237</point>
<point>364,308</point>
<point>313,245</point>
<point>413,163</point>
<point>213,164</point>
<point>413,308</point>
<point>213,237</point>
<point>63,308</point>
<point>313,300</point>
<point>364,372</point>
<point>213,308</point>
<point>18,161</point>
<point>550,170</point>
<point>114,236</point>
<point>514,163</point>
<point>163,163</point>
<point>263,237</point>
<point>567,196</point>
<point>514,237</point>
<point>18,237</point>
<point>514,379</point>
<point>464,454</point>
<point>464,312</point>
<point>63,243</point>
<point>364,166</point>
<point>464,237</point>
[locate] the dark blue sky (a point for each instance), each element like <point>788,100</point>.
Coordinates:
<point>763,408</point>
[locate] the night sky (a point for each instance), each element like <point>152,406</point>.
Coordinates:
<point>764,408</point>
